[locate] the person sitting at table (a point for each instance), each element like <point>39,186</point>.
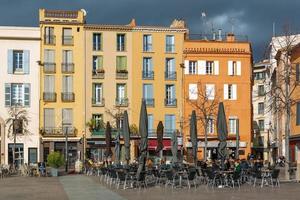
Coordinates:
<point>214,166</point>
<point>237,166</point>
<point>149,163</point>
<point>227,164</point>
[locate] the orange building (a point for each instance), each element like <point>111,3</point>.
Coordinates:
<point>218,70</point>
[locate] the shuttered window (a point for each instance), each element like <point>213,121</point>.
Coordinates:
<point>121,63</point>
<point>49,118</point>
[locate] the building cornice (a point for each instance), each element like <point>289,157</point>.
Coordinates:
<point>208,50</point>
<point>20,38</point>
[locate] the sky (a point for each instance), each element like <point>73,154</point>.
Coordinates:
<point>253,18</point>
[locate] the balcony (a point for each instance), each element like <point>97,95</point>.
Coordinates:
<point>122,102</point>
<point>149,102</point>
<point>67,40</point>
<point>122,74</point>
<point>49,39</point>
<point>98,102</point>
<point>49,96</point>
<point>67,97</point>
<point>147,48</point>
<point>49,68</point>
<point>98,73</point>
<point>58,132</point>
<point>170,75</point>
<point>167,133</point>
<point>171,102</point>
<point>101,133</point>
<point>148,75</point>
<point>67,68</point>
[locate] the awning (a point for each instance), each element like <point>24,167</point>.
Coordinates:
<point>152,144</point>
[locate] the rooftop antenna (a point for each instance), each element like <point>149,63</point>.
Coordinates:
<point>232,23</point>
<point>203,17</point>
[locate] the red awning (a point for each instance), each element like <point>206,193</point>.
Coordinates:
<point>152,144</point>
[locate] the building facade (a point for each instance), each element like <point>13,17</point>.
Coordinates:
<point>62,75</point>
<point>262,146</point>
<point>20,52</point>
<point>218,70</point>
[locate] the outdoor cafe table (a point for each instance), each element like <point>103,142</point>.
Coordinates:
<point>265,175</point>
<point>225,175</point>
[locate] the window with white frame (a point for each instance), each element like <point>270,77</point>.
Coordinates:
<point>17,94</point>
<point>147,43</point>
<point>97,43</point>
<point>234,68</point>
<point>209,67</point>
<point>121,42</point>
<point>261,108</point>
<point>210,91</point>
<point>192,67</point>
<point>170,43</point>
<point>230,91</point>
<point>232,125</point>
<point>18,60</point>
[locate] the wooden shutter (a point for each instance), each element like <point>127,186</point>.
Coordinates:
<point>186,67</point>
<point>229,66</point>
<point>7,94</point>
<point>234,91</point>
<point>10,60</point>
<point>27,94</point>
<point>216,65</point>
<point>49,118</point>
<point>225,91</point>
<point>26,61</point>
<point>201,67</point>
<point>238,68</point>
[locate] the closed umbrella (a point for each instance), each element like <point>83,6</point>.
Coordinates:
<point>117,149</point>
<point>174,147</point>
<point>193,135</point>
<point>222,133</point>
<point>143,129</point>
<point>108,152</point>
<point>160,136</point>
<point>126,136</point>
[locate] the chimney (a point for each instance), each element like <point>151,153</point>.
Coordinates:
<point>132,23</point>
<point>214,35</point>
<point>220,34</point>
<point>230,37</point>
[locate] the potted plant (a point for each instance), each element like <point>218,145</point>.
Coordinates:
<point>55,160</point>
<point>100,70</point>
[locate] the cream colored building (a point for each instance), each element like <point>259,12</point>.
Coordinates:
<point>19,69</point>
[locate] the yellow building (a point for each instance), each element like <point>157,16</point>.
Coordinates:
<point>62,81</point>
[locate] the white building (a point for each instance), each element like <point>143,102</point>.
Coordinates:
<point>19,83</point>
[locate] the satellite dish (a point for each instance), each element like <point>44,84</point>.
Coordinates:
<point>84,11</point>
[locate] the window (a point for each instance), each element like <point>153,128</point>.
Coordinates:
<point>261,125</point>
<point>297,72</point>
<point>150,124</point>
<point>98,121</point>
<point>170,122</point>
<point>121,64</point>
<point>49,37</point>
<point>97,64</point>
<point>97,43</point>
<point>261,90</point>
<point>230,91</point>
<point>49,120</point>
<point>18,61</point>
<point>121,94</point>
<point>120,42</point>
<point>32,155</point>
<point>234,68</point>
<point>17,94</point>
<point>259,75</point>
<point>261,108</point>
<point>147,43</point>
<point>170,43</point>
<point>193,92</point>
<point>98,94</point>
<point>147,68</point>
<point>209,67</point>
<point>67,92</point>
<point>298,114</point>
<point>232,125</point>
<point>19,154</point>
<point>170,72</point>
<point>193,67</point>
<point>210,125</point>
<point>49,88</point>
<point>148,94</point>
<point>67,64</point>
<point>67,38</point>
<point>49,61</point>
<point>170,99</point>
<point>67,120</point>
<point>210,91</point>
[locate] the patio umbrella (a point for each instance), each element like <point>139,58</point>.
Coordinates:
<point>160,136</point>
<point>143,129</point>
<point>126,136</point>
<point>222,133</point>
<point>117,149</point>
<point>108,152</point>
<point>193,135</point>
<point>174,147</point>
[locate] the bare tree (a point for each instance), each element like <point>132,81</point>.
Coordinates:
<point>282,83</point>
<point>205,102</point>
<point>17,124</point>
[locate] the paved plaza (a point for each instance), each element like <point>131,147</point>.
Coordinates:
<point>86,188</point>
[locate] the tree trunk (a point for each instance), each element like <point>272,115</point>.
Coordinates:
<point>205,143</point>
<point>14,151</point>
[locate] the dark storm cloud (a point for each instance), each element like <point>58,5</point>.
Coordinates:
<point>251,17</point>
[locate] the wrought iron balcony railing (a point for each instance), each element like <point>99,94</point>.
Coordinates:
<point>98,102</point>
<point>170,75</point>
<point>49,96</point>
<point>49,39</point>
<point>148,75</point>
<point>121,101</point>
<point>67,67</point>
<point>49,67</point>
<point>171,102</point>
<point>58,131</point>
<point>67,97</point>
